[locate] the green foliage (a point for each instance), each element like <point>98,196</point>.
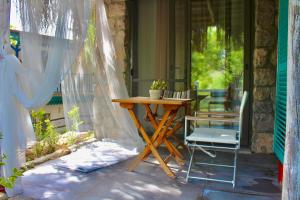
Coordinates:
<point>38,149</point>
<point>74,115</point>
<point>14,38</point>
<point>10,181</point>
<point>158,85</point>
<point>214,66</point>
<point>47,137</point>
<point>52,136</point>
<point>38,118</point>
<point>13,41</point>
<point>72,139</point>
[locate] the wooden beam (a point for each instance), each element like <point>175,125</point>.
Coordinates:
<point>213,119</point>
<point>211,11</point>
<point>291,181</point>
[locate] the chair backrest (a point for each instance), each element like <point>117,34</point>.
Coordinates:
<point>167,94</point>
<point>186,94</point>
<point>218,93</point>
<point>242,108</point>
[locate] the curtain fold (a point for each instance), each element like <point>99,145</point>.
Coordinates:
<point>52,35</point>
<point>54,47</point>
<point>94,81</point>
<point>111,82</point>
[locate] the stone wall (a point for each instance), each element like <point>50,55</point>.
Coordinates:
<point>264,75</point>
<point>117,19</point>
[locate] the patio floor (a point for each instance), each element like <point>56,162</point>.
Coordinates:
<point>256,180</point>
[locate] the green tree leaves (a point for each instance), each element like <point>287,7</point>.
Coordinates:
<point>212,66</point>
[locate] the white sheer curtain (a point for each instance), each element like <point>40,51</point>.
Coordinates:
<point>52,35</point>
<point>94,81</point>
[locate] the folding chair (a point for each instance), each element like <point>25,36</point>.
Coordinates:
<point>207,139</point>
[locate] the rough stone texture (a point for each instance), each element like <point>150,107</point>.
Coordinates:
<point>263,107</point>
<point>3,196</point>
<point>264,122</point>
<point>264,75</point>
<point>117,18</point>
<point>261,93</point>
<point>260,57</point>
<point>263,143</point>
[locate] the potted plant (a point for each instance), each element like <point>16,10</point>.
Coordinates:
<point>157,88</point>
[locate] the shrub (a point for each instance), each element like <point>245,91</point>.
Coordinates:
<point>51,137</point>
<point>74,115</point>
<point>38,119</point>
<point>47,137</point>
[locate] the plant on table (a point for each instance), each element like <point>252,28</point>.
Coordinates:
<point>156,89</point>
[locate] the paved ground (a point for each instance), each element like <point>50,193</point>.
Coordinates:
<point>256,180</point>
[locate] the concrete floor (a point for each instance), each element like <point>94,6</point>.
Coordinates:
<point>256,180</point>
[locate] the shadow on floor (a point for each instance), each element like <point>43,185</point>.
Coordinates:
<point>256,179</point>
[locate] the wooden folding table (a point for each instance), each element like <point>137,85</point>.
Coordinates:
<point>163,128</point>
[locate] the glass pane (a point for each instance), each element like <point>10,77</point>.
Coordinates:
<point>217,39</point>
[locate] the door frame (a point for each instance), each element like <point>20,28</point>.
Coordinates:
<point>248,70</point>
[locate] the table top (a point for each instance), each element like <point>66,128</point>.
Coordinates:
<point>147,100</point>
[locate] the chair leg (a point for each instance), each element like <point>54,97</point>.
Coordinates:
<point>190,164</point>
<point>189,151</point>
<point>234,169</point>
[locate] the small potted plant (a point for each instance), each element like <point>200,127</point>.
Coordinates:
<point>157,88</point>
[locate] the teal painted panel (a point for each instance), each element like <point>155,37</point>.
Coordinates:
<point>281,82</point>
<point>55,100</point>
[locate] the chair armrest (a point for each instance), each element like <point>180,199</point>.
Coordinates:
<point>216,119</point>
<point>228,114</point>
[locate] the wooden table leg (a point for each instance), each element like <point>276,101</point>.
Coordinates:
<point>159,139</point>
<point>171,148</point>
<point>171,134</point>
<point>161,130</point>
<point>150,146</point>
<point>151,116</point>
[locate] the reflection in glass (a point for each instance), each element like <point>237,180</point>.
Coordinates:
<point>217,52</point>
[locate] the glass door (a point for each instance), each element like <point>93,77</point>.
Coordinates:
<point>218,49</point>
<point>188,42</point>
<point>160,41</point>
<point>179,45</point>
